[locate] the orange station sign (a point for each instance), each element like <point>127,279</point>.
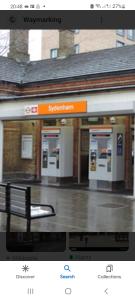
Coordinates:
<point>62,108</point>
<point>57,108</point>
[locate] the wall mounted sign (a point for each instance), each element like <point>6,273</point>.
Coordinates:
<point>51,130</point>
<point>57,108</point>
<point>101,130</point>
<point>62,108</point>
<point>27,147</point>
<point>31,110</point>
<point>119,144</point>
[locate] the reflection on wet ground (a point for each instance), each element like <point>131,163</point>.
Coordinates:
<point>79,211</point>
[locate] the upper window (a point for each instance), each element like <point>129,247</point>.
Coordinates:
<point>131,34</point>
<point>119,44</point>
<point>54,53</point>
<point>120,32</point>
<point>76,48</point>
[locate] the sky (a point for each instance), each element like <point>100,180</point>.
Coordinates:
<point>35,44</point>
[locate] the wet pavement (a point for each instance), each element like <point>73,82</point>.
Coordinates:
<point>79,211</point>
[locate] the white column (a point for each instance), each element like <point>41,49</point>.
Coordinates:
<point>1,150</point>
<point>134,163</point>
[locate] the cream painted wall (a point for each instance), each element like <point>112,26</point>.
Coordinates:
<point>118,102</point>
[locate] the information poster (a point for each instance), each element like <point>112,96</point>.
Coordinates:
<point>119,144</point>
<point>26,147</point>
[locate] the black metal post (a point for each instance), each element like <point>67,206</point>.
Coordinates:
<point>28,208</point>
<point>8,207</point>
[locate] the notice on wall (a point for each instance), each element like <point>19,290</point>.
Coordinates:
<point>93,154</point>
<point>31,110</point>
<point>27,147</point>
<point>119,144</point>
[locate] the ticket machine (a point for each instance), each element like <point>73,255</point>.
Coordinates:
<point>57,152</point>
<point>106,154</point>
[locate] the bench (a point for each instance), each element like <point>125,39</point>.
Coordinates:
<point>3,192</point>
<point>18,203</point>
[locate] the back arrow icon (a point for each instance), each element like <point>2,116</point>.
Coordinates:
<point>106,291</point>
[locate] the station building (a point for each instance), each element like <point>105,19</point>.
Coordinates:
<point>70,119</point>
<point>86,40</point>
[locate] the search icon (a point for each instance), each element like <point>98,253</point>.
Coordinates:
<point>66,268</point>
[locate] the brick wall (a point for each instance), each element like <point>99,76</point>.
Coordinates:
<point>13,163</point>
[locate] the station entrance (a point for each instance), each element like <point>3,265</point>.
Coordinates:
<point>106,153</point>
<point>95,153</point>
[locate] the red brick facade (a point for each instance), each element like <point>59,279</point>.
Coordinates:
<point>79,85</point>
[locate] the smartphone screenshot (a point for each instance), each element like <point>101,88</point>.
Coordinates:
<point>67,172</point>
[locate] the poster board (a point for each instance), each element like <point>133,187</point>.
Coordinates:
<point>27,147</point>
